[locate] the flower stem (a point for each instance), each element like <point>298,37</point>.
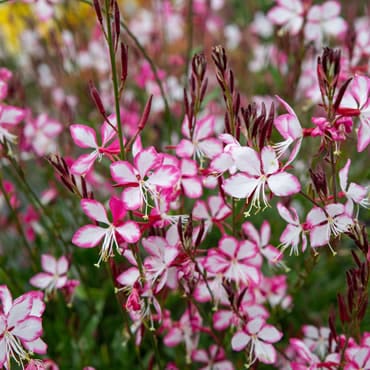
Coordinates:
<point>116,92</point>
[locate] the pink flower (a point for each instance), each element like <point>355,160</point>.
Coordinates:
<point>145,179</point>
<point>290,129</point>
<point>261,239</point>
<point>212,212</point>
<point>190,180</point>
<point>354,192</point>
<point>356,102</point>
<point>317,339</point>
<point>9,117</point>
<point>235,260</point>
<point>334,219</point>
<point>260,336</point>
<point>20,326</point>
<point>55,275</point>
<point>200,142</point>
<point>293,235</point>
<point>158,264</point>
<point>324,20</point>
<point>259,170</point>
<point>89,236</point>
<point>288,14</point>
<point>40,134</point>
<point>358,358</point>
<point>213,358</point>
<point>85,137</point>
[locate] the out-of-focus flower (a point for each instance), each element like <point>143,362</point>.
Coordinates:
<point>54,275</point>
<point>20,326</point>
<point>40,134</point>
<point>89,236</point>
<point>261,336</point>
<point>356,102</point>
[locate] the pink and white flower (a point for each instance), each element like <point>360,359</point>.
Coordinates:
<point>356,102</point>
<point>288,14</point>
<point>290,129</point>
<point>85,137</point>
<point>40,134</point>
<point>9,117</point>
<point>55,275</point>
<point>261,239</point>
<point>89,236</point>
<point>20,326</point>
<point>144,179</point>
<point>333,219</point>
<point>259,170</point>
<point>294,233</point>
<point>354,192</point>
<point>200,142</point>
<point>324,20</point>
<point>235,260</point>
<point>260,336</point>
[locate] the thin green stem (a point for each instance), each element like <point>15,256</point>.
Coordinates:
<point>112,57</point>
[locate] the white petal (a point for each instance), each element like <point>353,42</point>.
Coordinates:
<point>283,184</point>
<point>88,236</point>
<point>95,210</point>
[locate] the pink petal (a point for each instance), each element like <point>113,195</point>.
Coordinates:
<point>320,235</point>
<point>146,160</point>
<point>210,147</point>
<point>132,198</point>
<point>83,136</point>
<point>240,186</point>
<point>41,280</point>
<point>289,216</point>
<point>83,163</point>
<point>3,346</point>
<point>123,173</point>
<point>49,263</point>
<point>204,128</point>
<point>270,334</point>
<point>316,216</point>
<point>95,210</point>
<point>269,161</point>
<point>222,162</point>
<point>62,265</point>
<point>165,176</point>
<point>200,210</point>
<point>36,346</point>
<point>228,245</point>
<point>29,329</point>
<point>283,184</point>
<point>192,187</point>
<point>5,298</point>
<point>255,325</point>
<point>247,160</point>
<point>155,245</point>
<point>129,277</point>
<point>185,148</point>
<point>173,337</point>
<point>265,352</point>
<point>107,131</point>
<point>88,236</point>
<point>239,341</point>
<point>363,134</point>
<point>129,231</point>
<point>222,319</point>
<point>343,176</point>
<point>189,167</point>
<point>10,115</point>
<point>117,208</point>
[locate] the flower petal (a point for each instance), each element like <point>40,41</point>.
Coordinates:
<point>83,136</point>
<point>88,236</point>
<point>283,184</point>
<point>95,210</point>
